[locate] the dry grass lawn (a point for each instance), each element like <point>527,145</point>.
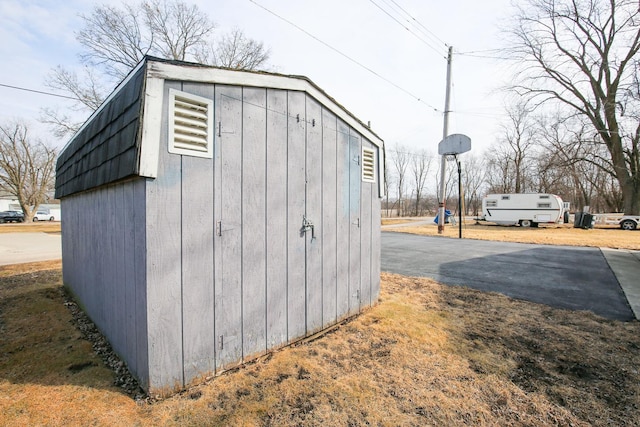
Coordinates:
<point>427,354</point>
<point>31,227</point>
<point>564,234</point>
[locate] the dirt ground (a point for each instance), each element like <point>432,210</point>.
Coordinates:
<point>427,354</point>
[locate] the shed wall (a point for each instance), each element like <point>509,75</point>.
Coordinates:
<point>103,258</point>
<point>230,272</point>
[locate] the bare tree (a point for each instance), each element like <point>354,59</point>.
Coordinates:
<point>499,171</point>
<point>578,166</point>
<point>26,167</point>
<point>420,165</point>
<point>177,29</point>
<point>400,159</point>
<point>115,39</point>
<point>518,140</point>
<point>583,54</point>
<point>387,183</point>
<point>235,51</point>
<point>473,178</point>
<point>511,160</point>
<point>88,90</point>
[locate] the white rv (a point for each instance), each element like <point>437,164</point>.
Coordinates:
<point>527,210</point>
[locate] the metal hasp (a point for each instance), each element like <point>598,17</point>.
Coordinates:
<point>308,225</point>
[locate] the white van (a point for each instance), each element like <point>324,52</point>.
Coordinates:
<point>526,210</point>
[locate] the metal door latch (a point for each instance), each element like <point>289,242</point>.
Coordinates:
<point>308,225</point>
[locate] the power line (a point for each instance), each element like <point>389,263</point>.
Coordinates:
<point>417,98</point>
<point>470,55</point>
<point>419,23</point>
<point>409,29</point>
<point>38,91</point>
<point>480,51</point>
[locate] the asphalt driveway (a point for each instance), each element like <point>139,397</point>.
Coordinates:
<point>576,278</point>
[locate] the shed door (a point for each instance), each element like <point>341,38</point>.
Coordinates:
<point>324,186</point>
<point>287,209</point>
<point>305,220</point>
<point>332,209</point>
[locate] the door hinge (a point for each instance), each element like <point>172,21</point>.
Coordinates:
<point>221,340</point>
<point>219,228</point>
<point>356,222</point>
<point>356,160</point>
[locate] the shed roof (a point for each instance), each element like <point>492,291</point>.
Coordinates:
<point>113,144</point>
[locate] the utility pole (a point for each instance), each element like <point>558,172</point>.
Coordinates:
<point>445,133</point>
<point>460,197</point>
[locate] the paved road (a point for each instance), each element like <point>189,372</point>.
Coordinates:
<point>575,278</point>
<point>16,248</point>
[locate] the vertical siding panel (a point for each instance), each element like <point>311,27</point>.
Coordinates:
<point>276,218</point>
<point>100,198</point>
<point>314,214</point>
<point>365,243</point>
<point>164,266</point>
<point>80,253</point>
<point>129,266</point>
<point>93,266</point>
<point>79,245</point>
<point>67,237</point>
<point>197,258</point>
<point>355,223</point>
<point>228,250</point>
<point>254,299</point>
<point>343,220</point>
<point>329,218</point>
<point>139,248</point>
<point>116,261</point>
<point>375,232</point>
<point>295,213</point>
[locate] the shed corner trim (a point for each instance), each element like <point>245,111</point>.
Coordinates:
<point>151,126</point>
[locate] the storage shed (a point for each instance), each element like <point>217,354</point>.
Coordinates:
<point>210,216</point>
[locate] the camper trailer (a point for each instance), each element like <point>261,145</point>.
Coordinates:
<point>526,210</point>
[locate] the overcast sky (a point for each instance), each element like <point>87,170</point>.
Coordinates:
<point>39,35</point>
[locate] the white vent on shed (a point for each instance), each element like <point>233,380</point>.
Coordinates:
<point>190,124</point>
<point>368,165</point>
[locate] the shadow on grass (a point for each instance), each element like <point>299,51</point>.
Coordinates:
<point>39,343</point>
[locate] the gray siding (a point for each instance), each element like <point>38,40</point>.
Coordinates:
<point>101,268</point>
<point>211,267</point>
<point>197,258</point>
<point>313,213</point>
<point>343,214</point>
<point>228,249</point>
<point>254,213</point>
<point>276,193</point>
<point>164,268</point>
<point>296,258</point>
<point>329,219</point>
<point>355,184</point>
